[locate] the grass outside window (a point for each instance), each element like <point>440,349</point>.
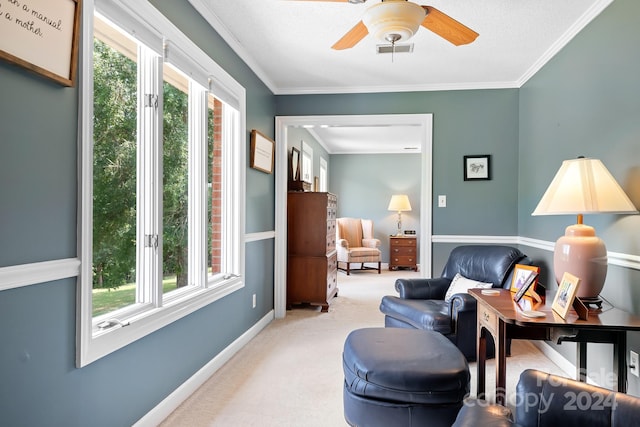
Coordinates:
<point>106,300</point>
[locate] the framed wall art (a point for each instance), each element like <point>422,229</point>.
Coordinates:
<point>42,36</point>
<point>295,164</point>
<point>477,168</point>
<point>262,149</point>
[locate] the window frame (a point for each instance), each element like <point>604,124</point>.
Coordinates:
<point>323,175</point>
<point>307,163</point>
<point>155,31</point>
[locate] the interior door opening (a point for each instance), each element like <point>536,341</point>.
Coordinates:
<point>425,121</point>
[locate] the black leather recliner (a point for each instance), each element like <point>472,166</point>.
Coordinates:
<point>542,400</point>
<point>421,302</point>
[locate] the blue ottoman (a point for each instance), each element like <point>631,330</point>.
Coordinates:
<point>402,377</point>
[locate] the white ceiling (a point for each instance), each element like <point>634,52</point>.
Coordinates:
<point>288,45</point>
<point>375,138</point>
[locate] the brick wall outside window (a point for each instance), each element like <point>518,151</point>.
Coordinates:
<point>216,190</point>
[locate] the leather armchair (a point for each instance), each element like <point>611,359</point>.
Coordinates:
<point>355,243</point>
<point>543,400</point>
<point>421,302</point>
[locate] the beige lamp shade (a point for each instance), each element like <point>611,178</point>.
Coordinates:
<point>583,186</point>
<point>399,203</point>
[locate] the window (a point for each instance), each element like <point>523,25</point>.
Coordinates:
<point>307,162</point>
<point>162,148</point>
<point>323,175</point>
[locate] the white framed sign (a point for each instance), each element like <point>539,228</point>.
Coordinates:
<point>262,149</point>
<point>41,36</point>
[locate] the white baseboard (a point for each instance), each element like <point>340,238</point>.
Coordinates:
<point>564,364</point>
<point>568,367</point>
<point>186,389</point>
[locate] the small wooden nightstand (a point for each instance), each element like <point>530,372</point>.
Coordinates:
<point>403,252</point>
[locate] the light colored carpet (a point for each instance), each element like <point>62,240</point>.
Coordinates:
<point>290,375</point>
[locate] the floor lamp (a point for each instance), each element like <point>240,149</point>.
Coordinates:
<point>583,186</point>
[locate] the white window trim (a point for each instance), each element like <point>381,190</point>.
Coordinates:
<point>324,177</point>
<point>307,162</point>
<point>142,18</point>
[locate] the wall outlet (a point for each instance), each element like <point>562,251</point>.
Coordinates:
<point>254,300</point>
<point>633,363</point>
<point>442,201</point>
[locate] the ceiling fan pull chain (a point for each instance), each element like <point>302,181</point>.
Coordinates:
<point>393,38</point>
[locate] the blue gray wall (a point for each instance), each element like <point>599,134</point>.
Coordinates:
<point>38,181</point>
<point>583,102</point>
<point>464,122</point>
<point>295,136</point>
<point>364,185</point>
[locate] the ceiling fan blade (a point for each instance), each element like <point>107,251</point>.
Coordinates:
<point>447,27</point>
<point>352,37</point>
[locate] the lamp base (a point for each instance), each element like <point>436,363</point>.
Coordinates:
<point>583,254</point>
<point>588,301</point>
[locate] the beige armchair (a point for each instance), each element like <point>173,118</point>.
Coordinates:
<point>355,244</point>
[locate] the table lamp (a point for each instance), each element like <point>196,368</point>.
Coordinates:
<point>583,186</point>
<point>399,203</point>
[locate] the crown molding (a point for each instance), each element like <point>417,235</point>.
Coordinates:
<point>578,26</point>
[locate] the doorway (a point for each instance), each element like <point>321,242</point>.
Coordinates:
<point>425,121</point>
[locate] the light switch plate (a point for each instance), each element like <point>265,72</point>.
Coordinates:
<point>442,201</point>
<point>633,363</point>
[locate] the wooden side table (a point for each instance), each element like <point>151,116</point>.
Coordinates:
<point>502,319</point>
<point>403,252</point>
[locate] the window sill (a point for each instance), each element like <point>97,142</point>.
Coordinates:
<point>139,324</point>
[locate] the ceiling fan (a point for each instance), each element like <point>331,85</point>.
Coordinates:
<point>396,21</point>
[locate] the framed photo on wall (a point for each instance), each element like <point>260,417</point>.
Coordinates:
<point>477,168</point>
<point>295,164</point>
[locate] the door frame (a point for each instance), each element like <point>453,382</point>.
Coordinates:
<point>281,181</point>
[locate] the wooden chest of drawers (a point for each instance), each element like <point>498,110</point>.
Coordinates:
<point>403,252</point>
<point>312,271</point>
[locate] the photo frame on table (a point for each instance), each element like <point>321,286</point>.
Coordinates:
<point>477,168</point>
<point>262,149</point>
<point>527,285</point>
<point>42,36</point>
<point>525,275</point>
<point>567,289</point>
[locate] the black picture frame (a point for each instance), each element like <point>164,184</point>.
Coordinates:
<point>477,167</point>
<point>529,280</point>
<point>295,164</point>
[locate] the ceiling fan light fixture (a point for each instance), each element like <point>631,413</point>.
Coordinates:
<point>393,20</point>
